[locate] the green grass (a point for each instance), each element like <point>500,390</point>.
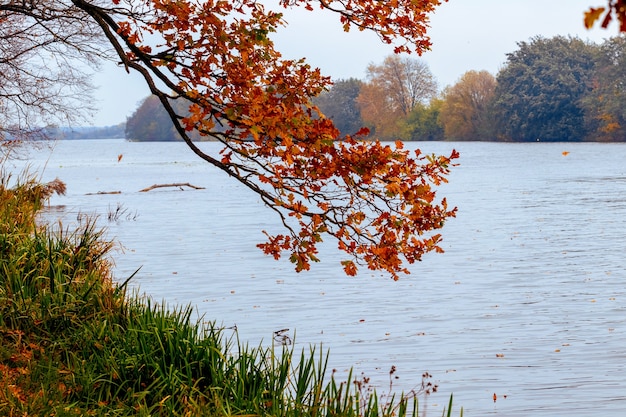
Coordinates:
<point>74,343</point>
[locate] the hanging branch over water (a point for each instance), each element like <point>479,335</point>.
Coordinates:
<point>376,200</point>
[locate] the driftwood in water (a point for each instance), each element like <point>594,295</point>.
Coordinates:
<point>152,187</point>
<point>178,184</point>
<point>105,192</point>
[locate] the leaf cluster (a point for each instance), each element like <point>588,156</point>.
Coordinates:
<point>614,9</point>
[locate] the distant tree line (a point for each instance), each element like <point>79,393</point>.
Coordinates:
<point>75,133</point>
<point>549,89</point>
<point>100,132</point>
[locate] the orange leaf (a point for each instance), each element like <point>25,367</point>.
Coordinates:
<point>349,268</point>
<point>592,15</point>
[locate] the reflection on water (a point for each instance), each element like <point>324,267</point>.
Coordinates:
<point>528,302</point>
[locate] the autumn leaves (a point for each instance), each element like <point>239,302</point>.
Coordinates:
<point>383,209</point>
<point>615,9</point>
<point>377,200</point>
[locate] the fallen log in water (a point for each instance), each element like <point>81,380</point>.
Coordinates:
<point>178,184</point>
<point>105,192</point>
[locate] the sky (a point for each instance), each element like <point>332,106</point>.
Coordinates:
<point>466,35</point>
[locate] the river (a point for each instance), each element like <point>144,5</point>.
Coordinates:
<point>528,301</point>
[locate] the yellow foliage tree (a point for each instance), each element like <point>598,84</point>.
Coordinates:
<point>465,112</point>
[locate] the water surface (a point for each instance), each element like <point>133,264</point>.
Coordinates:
<point>528,302</point>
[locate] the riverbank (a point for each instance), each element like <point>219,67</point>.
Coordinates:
<point>72,342</point>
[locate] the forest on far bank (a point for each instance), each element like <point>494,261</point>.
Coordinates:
<point>548,90</point>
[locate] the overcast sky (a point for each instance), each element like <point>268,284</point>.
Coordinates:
<point>466,35</point>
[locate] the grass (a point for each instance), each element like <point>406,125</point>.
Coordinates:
<point>73,343</point>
